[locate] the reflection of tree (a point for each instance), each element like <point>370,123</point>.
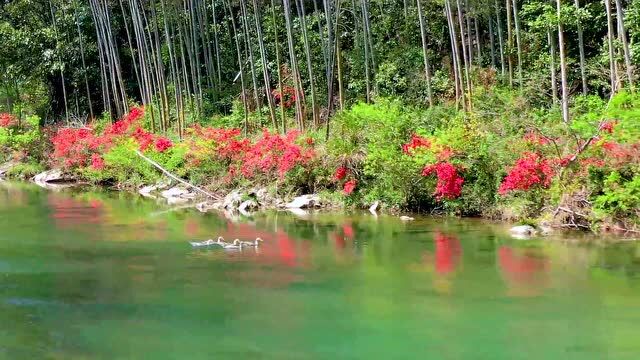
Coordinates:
<point>524,270</point>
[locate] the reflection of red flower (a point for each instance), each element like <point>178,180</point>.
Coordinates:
<point>448,252</point>
<point>348,231</point>
<point>349,186</point>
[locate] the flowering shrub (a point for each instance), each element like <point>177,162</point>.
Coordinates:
<point>287,98</point>
<point>449,185</point>
<point>162,144</point>
<point>416,142</point>
<point>273,152</point>
<point>529,171</point>
<point>7,120</point>
<point>340,173</point>
<point>74,146</point>
<point>349,186</point>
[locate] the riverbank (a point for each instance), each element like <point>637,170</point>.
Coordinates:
<point>520,165</point>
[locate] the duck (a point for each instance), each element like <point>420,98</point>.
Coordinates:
<point>255,243</point>
<point>237,245</point>
<point>220,242</point>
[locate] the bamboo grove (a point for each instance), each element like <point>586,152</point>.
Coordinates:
<point>296,62</point>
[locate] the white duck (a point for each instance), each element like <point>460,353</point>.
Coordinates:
<point>237,245</point>
<point>255,243</point>
<point>220,242</point>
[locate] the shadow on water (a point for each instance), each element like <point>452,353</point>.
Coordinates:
<point>110,275</point>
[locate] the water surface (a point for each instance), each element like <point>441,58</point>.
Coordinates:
<point>95,275</point>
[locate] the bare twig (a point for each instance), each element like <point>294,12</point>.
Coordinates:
<point>166,172</point>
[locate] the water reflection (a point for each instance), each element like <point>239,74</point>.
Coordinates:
<point>523,270</point>
<point>97,269</point>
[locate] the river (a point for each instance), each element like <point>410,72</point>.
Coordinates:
<point>105,275</point>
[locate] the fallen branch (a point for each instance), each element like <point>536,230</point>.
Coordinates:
<point>166,172</point>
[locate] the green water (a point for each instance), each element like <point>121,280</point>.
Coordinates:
<point>111,276</point>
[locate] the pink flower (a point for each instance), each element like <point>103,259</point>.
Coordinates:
<point>530,170</point>
<point>608,126</point>
<point>416,142</point>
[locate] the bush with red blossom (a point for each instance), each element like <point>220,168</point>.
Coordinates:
<point>340,173</point>
<point>416,142</point>
<point>7,120</point>
<point>162,144</point>
<point>273,153</point>
<point>529,171</point>
<point>349,187</point>
<point>449,184</point>
<point>285,98</point>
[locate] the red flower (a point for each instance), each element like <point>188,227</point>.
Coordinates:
<point>340,173</point>
<point>96,162</point>
<point>7,120</point>
<point>449,183</point>
<point>162,144</point>
<point>416,142</point>
<point>530,170</point>
<point>533,138</point>
<point>309,140</point>
<point>349,186</point>
<point>608,126</point>
<point>144,138</point>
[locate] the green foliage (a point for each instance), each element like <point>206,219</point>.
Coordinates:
<point>620,198</point>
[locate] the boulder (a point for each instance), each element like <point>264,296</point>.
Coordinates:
<point>52,177</point>
<point>232,200</point>
<point>523,230</point>
<point>262,196</point>
<point>206,206</point>
<point>406,218</point>
<point>374,207</point>
<point>177,191</point>
<point>6,167</point>
<point>247,205</point>
<point>304,202</point>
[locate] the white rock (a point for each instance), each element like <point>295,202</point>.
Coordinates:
<point>247,206</point>
<point>304,202</point>
<point>406,218</point>
<point>523,230</point>
<point>52,176</point>
<point>176,191</point>
<point>6,167</point>
<point>373,208</point>
<point>232,200</point>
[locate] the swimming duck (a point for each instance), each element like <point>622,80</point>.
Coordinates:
<point>220,242</point>
<point>255,243</point>
<point>237,245</point>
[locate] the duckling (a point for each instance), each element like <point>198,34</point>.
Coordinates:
<point>220,242</point>
<point>202,243</point>
<point>237,245</point>
<point>255,243</point>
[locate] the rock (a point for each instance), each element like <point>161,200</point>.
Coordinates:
<point>304,202</point>
<point>232,200</point>
<point>523,230</point>
<point>262,196</point>
<point>373,208</point>
<point>6,167</point>
<point>53,176</point>
<point>206,206</point>
<point>303,214</point>
<point>406,218</point>
<point>177,191</point>
<point>177,201</point>
<point>247,206</point>
<point>147,190</point>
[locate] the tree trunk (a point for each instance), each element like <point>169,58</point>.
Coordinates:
<point>583,71</point>
<point>425,55</point>
<point>563,66</point>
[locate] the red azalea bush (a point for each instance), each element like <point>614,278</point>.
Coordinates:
<point>340,173</point>
<point>449,185</point>
<point>286,98</point>
<point>349,186</point>
<point>163,144</point>
<point>416,142</point>
<point>530,170</point>
<point>7,120</point>
<point>274,153</point>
